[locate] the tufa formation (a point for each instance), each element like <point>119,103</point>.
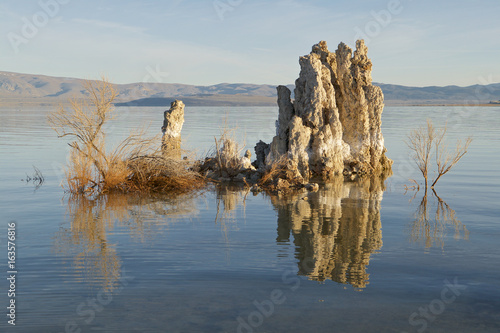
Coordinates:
<point>172,126</point>
<point>331,128</point>
<point>334,124</point>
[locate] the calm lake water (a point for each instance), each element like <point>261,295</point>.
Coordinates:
<point>352,257</point>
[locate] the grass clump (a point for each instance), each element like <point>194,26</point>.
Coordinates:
<point>159,174</point>
<point>135,164</point>
<point>224,162</point>
<point>282,174</point>
<point>227,154</point>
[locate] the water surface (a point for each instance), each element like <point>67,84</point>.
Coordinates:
<point>352,257</point>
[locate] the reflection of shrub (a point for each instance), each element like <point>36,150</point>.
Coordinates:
<point>432,232</point>
<point>92,169</point>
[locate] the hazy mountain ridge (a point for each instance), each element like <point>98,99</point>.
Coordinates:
<point>447,95</point>
<point>42,89</point>
<point>35,86</point>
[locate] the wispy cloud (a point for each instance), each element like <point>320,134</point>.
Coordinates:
<point>109,25</point>
<point>257,42</point>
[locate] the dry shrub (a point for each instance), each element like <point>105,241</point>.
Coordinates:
<point>92,169</point>
<point>446,159</point>
<point>117,174</point>
<point>274,170</point>
<point>422,141</point>
<point>227,153</point>
<point>79,172</point>
<point>281,174</point>
<point>158,173</point>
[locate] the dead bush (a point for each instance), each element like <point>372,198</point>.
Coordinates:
<point>136,163</point>
<point>422,141</point>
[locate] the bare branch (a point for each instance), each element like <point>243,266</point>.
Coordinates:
<point>445,160</point>
<point>421,141</point>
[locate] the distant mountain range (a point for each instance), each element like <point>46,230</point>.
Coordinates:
<point>476,94</point>
<point>30,89</point>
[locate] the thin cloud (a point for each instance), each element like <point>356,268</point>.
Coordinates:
<point>109,25</point>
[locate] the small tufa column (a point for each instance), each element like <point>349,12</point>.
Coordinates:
<point>172,127</point>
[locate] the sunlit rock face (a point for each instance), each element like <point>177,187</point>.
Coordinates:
<point>334,230</point>
<point>334,124</point>
<point>172,127</point>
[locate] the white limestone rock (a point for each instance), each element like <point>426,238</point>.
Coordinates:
<point>172,127</point>
<point>334,124</point>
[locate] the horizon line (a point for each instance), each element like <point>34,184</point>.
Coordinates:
<point>257,84</point>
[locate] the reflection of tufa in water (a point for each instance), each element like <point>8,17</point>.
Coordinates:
<point>335,229</point>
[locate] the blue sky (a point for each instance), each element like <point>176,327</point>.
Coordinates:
<point>411,42</point>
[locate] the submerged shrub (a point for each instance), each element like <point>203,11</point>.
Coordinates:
<point>425,141</point>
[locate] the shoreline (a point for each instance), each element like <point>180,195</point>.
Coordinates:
<point>443,104</point>
<point>38,102</point>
